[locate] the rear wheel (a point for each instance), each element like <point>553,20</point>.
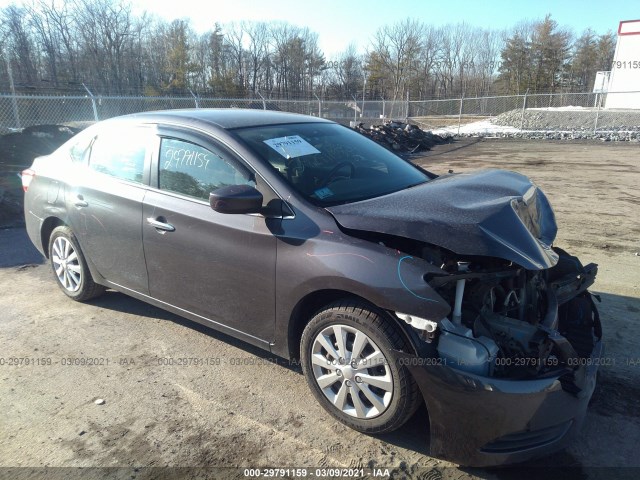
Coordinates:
<point>346,358</point>
<point>70,267</point>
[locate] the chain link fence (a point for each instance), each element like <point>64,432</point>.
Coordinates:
<point>564,112</point>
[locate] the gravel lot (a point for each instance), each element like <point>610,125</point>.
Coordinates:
<point>247,409</point>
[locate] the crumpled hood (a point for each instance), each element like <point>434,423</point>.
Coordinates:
<point>494,213</point>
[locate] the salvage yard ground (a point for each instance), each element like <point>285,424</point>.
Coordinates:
<point>244,408</point>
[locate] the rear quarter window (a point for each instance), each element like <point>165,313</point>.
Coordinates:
<point>79,151</point>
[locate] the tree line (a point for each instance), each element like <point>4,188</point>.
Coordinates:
<point>61,47</point>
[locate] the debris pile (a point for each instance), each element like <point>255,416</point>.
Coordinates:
<point>17,151</point>
<point>402,137</point>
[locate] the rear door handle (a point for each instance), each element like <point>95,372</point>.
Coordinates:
<point>80,201</point>
<point>159,225</point>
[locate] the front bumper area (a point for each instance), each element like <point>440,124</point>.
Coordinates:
<point>480,421</point>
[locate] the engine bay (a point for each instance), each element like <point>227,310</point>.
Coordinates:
<point>507,321</point>
<point>530,323</point>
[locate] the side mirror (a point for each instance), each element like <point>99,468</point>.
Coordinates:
<point>236,199</point>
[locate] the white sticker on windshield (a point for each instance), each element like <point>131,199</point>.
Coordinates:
<point>291,147</point>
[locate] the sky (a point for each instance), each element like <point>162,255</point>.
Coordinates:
<point>340,22</point>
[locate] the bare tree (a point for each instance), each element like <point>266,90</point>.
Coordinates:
<point>105,26</point>
<point>61,44</point>
<point>39,15</point>
<point>431,45</point>
<point>489,45</point>
<point>235,41</point>
<point>345,74</point>
<point>395,53</point>
<point>19,44</point>
<point>258,54</point>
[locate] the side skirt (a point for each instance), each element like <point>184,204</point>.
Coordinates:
<point>207,322</point>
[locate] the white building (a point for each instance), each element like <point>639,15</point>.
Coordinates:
<point>625,70</point>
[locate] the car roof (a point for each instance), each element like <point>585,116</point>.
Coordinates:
<point>226,118</point>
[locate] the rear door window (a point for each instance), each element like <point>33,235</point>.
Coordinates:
<point>121,154</point>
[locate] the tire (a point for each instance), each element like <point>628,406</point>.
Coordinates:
<point>69,266</point>
<point>374,396</point>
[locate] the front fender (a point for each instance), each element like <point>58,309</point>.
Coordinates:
<point>387,278</point>
<point>391,280</point>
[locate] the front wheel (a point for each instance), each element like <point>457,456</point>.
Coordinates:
<point>346,358</point>
<point>69,266</point>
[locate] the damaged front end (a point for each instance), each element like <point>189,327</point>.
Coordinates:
<point>514,364</point>
<point>520,308</point>
<point>509,322</point>
<point>507,374</point>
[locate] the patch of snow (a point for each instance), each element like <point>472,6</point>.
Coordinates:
<point>483,127</point>
<point>42,134</point>
<point>563,109</point>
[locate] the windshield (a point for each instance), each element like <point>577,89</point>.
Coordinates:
<point>330,164</point>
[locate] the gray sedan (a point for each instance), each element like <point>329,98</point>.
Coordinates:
<point>393,286</point>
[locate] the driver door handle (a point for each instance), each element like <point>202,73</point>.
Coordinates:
<point>159,225</point>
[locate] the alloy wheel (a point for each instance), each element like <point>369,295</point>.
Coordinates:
<point>66,264</point>
<point>351,371</point>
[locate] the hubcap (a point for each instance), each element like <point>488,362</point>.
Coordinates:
<point>352,371</point>
<point>66,264</point>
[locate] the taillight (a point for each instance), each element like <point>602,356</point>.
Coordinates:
<point>27,175</point>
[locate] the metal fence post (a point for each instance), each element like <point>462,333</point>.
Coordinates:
<point>364,88</point>
<point>355,110</point>
<point>319,105</point>
<point>93,103</point>
<point>598,101</point>
<point>407,116</point>
<point>460,113</point>
<point>524,107</point>
<point>16,112</point>
<point>264,104</point>
<point>195,98</point>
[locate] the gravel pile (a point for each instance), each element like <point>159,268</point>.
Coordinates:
<point>616,120</point>
<point>402,137</point>
<point>613,125</point>
<point>550,135</point>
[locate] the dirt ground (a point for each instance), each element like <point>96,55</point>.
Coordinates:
<point>247,409</point>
